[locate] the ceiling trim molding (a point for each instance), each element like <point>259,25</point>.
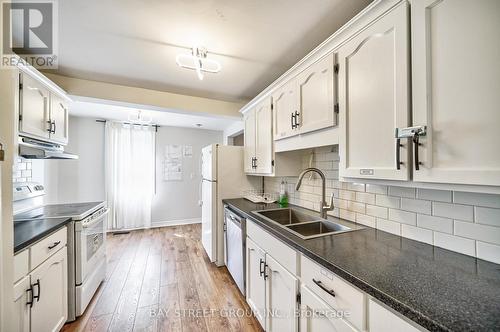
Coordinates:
<point>357,24</point>
<point>146,98</point>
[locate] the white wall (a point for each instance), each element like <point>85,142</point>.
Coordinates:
<point>82,180</point>
<point>178,200</point>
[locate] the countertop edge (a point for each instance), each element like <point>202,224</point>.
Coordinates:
<point>393,303</point>
<point>42,235</point>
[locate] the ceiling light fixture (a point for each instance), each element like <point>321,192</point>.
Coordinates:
<point>139,118</point>
<point>198,61</point>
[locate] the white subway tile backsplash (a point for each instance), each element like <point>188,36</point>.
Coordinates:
<point>488,251</point>
<point>468,223</point>
<point>487,200</point>
<point>377,211</point>
<point>346,194</point>
<point>356,207</point>
<point>366,220</point>
<point>435,195</point>
<point>403,217</point>
<point>356,186</point>
<point>365,197</point>
<point>487,216</point>
<point>387,201</point>
<point>348,215</point>
<point>402,192</point>
<point>415,233</point>
<point>389,226</point>
<point>455,243</point>
<point>439,224</point>
<point>454,211</point>
<point>477,232</point>
<point>416,205</point>
<point>376,189</point>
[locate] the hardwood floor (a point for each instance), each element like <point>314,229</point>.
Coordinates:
<point>161,280</point>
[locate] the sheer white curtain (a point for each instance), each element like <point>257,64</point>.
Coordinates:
<point>130,174</point>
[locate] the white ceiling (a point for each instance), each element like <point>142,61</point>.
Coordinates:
<point>163,118</point>
<point>135,43</point>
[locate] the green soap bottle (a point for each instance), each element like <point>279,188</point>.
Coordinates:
<point>283,200</point>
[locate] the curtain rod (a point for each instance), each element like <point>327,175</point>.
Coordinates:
<point>131,123</point>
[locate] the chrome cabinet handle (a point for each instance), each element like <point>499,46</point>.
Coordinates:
<point>320,285</point>
<point>261,267</point>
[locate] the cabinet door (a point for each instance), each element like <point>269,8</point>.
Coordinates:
<point>249,141</point>
<point>50,284</point>
<point>264,137</point>
<point>383,320</point>
<point>315,96</point>
<point>59,117</point>
<point>317,316</point>
<point>281,298</point>
<point>374,99</point>
<point>33,108</point>
<point>22,296</point>
<point>255,283</point>
<point>284,106</point>
<point>456,82</point>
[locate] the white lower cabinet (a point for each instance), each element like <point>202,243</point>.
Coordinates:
<point>50,287</point>
<point>256,285</point>
<point>22,296</point>
<point>281,297</point>
<point>271,291</point>
<point>383,320</point>
<point>41,295</point>
<point>317,316</point>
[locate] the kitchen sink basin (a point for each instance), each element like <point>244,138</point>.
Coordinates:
<point>318,228</point>
<point>287,216</point>
<point>301,224</point>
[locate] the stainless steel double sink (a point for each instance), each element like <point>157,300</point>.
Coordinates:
<point>305,226</point>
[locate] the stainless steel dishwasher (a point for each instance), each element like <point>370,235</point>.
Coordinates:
<point>235,246</point>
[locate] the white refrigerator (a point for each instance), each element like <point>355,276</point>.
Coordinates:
<point>223,177</point>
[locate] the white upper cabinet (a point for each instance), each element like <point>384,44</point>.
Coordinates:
<point>315,96</point>
<point>259,139</point>
<point>284,108</point>
<point>456,90</point>
<point>43,114</point>
<point>306,103</point>
<point>374,99</point>
<point>264,138</point>
<point>59,113</point>
<point>34,115</point>
<point>249,152</point>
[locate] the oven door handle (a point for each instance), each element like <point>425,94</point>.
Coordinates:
<point>95,221</point>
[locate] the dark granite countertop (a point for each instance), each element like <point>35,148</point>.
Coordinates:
<point>27,232</point>
<point>439,289</point>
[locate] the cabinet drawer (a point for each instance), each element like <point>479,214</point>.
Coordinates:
<point>347,298</point>
<point>21,264</point>
<point>46,247</point>
<point>381,319</point>
<point>282,253</point>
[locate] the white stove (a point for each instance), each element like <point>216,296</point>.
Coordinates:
<point>86,243</point>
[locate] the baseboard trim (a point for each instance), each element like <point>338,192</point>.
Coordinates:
<point>159,224</point>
